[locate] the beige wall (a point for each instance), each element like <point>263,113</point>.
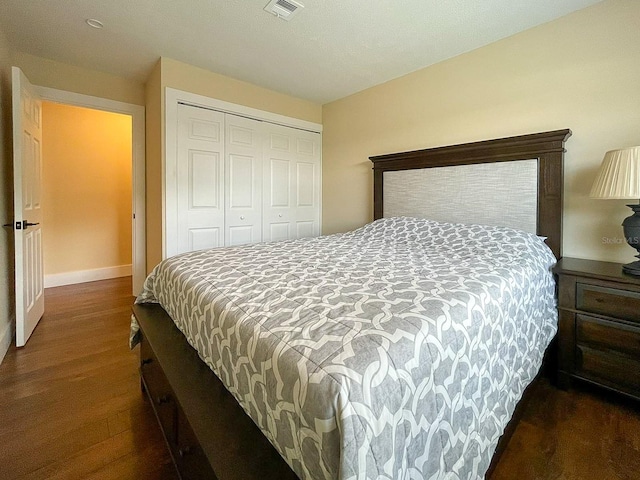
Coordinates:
<point>580,72</point>
<point>174,74</point>
<point>86,189</point>
<point>203,82</point>
<point>49,73</point>
<point>7,310</point>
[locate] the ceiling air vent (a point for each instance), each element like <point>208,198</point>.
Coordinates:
<point>284,9</point>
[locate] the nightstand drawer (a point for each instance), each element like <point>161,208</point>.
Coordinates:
<point>598,325</point>
<point>611,302</point>
<point>603,334</point>
<point>611,369</point>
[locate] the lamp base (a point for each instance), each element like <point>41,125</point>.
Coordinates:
<point>631,226</point>
<point>632,268</point>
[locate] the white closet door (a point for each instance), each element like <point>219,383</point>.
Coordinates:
<point>200,178</point>
<point>243,186</point>
<point>291,185</point>
<point>307,183</point>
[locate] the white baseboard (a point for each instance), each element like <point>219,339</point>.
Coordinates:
<point>81,276</point>
<point>6,337</point>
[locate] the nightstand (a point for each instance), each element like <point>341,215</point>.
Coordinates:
<point>598,325</point>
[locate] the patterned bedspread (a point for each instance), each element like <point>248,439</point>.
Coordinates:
<point>397,351</point>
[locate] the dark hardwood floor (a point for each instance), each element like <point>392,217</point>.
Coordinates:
<point>71,407</point>
<point>585,433</point>
<point>70,400</point>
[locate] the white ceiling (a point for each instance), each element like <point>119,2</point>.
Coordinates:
<point>329,50</point>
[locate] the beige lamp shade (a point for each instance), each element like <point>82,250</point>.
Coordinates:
<point>619,175</point>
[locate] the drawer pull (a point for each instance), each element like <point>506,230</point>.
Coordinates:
<point>146,361</point>
<point>185,451</point>
<point>163,399</point>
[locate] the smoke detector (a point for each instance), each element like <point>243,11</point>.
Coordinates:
<point>284,9</point>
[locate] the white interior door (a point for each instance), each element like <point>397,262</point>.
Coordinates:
<point>243,186</point>
<point>291,183</point>
<point>200,178</point>
<point>27,187</point>
<point>279,184</point>
<point>308,183</point>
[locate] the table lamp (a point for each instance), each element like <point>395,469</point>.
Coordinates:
<point>619,178</point>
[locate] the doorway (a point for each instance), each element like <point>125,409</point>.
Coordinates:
<point>86,194</point>
<point>135,230</point>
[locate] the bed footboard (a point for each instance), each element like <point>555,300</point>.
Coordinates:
<point>208,434</point>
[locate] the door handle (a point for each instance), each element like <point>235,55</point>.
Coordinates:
<point>26,224</point>
<point>18,225</point>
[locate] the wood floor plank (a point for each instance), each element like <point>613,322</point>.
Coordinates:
<point>70,400</point>
<point>71,408</point>
<point>98,458</point>
<point>584,433</point>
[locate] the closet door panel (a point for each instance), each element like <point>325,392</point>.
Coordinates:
<point>277,194</point>
<point>280,231</point>
<point>201,238</point>
<point>241,234</point>
<point>279,183</point>
<point>243,181</point>
<point>204,179</point>
<point>307,210</point>
<point>291,192</point>
<point>243,194</point>
<point>305,185</point>
<point>199,178</point>
<point>306,229</point>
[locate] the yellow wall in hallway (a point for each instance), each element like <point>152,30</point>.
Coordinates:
<point>87,186</point>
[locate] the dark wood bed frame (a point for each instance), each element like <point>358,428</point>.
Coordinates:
<point>205,428</point>
<point>546,147</point>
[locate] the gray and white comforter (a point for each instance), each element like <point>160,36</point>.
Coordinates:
<point>397,351</point>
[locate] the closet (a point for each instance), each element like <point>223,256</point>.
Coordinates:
<point>240,180</point>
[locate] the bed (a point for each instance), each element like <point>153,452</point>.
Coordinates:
<point>399,350</point>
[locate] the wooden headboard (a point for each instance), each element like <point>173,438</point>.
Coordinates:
<point>546,147</point>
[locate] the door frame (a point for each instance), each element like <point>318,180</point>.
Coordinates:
<point>137,114</point>
<point>173,97</point>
